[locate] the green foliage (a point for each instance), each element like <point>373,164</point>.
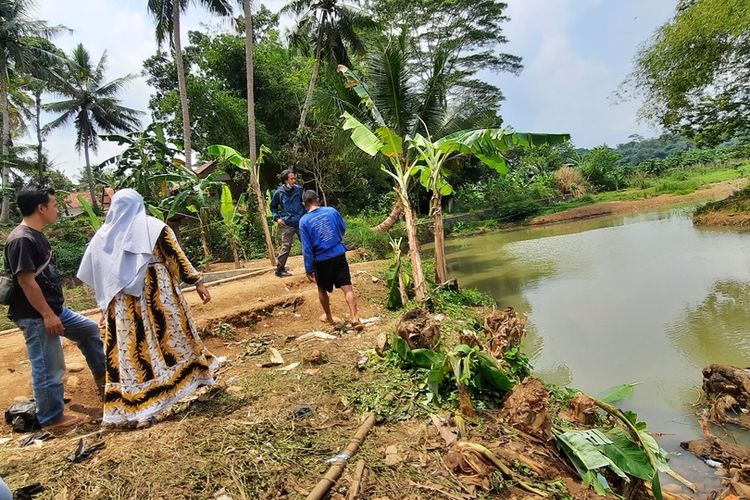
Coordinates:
<point>639,150</point>
<point>463,36</point>
<point>68,240</point>
<point>463,366</point>
<point>601,170</point>
<point>224,331</point>
<point>217,90</point>
<point>148,164</point>
<point>512,207</point>
<point>627,450</point>
<point>94,220</point>
<point>695,71</point>
<point>619,393</point>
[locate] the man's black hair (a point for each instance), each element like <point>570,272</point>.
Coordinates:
<point>310,196</point>
<point>285,174</point>
<point>30,197</point>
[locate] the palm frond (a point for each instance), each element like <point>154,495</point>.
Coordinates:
<point>433,96</point>
<point>390,88</point>
<point>161,12</point>
<point>297,7</point>
<point>115,86</point>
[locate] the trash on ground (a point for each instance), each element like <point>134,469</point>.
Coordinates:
<point>21,416</point>
<point>28,492</point>
<point>37,437</point>
<point>286,369</point>
<point>316,335</point>
<point>302,411</point>
<point>82,452</point>
<point>276,359</point>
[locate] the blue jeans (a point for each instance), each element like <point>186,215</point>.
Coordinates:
<point>5,493</point>
<point>47,362</point>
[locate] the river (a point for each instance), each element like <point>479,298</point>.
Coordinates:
<point>647,298</point>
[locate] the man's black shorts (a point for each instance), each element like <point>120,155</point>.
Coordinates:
<point>332,272</point>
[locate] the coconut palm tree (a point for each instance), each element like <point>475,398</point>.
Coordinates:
<point>254,180</point>
<point>92,105</point>
<point>412,101</point>
<point>334,27</point>
<point>17,54</point>
<point>166,14</point>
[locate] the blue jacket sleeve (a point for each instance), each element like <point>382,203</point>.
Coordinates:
<point>307,248</point>
<point>275,202</point>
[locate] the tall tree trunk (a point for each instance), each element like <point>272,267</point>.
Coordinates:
<point>441,267</point>
<point>313,76</point>
<point>392,218</point>
<point>254,180</point>
<point>39,144</point>
<point>89,174</point>
<point>5,211</point>
<point>204,237</point>
<point>184,104</point>
<point>420,289</point>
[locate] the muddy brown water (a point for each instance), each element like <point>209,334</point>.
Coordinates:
<point>646,298</point>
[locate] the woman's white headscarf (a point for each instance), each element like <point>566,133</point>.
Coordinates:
<point>117,257</point>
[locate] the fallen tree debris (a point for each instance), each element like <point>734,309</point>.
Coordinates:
<point>505,330</point>
<point>418,330</point>
<point>527,409</point>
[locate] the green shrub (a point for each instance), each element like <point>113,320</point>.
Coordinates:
<point>513,207</point>
<point>68,239</point>
<point>360,235</point>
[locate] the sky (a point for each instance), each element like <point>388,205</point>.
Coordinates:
<point>575,55</point>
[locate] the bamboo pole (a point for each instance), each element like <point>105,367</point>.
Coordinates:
<point>337,468</point>
<point>357,481</point>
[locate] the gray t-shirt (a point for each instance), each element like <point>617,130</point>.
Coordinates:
<point>27,249</point>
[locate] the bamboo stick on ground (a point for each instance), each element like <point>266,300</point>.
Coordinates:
<point>357,481</point>
<point>342,459</point>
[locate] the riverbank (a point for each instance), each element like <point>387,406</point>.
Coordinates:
<point>733,211</point>
<point>625,206</point>
<point>708,193</point>
<point>267,431</point>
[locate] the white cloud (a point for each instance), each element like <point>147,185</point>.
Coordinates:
<point>570,73</point>
<point>125,31</point>
<point>573,61</point>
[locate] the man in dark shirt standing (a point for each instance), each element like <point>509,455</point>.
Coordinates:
<point>322,233</point>
<point>287,209</point>
<point>37,307</point>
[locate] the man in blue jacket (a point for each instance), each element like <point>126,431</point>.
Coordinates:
<point>287,209</point>
<point>322,233</point>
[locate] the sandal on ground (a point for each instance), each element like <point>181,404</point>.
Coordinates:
<point>64,422</point>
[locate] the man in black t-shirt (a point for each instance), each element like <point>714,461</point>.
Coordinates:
<point>37,307</point>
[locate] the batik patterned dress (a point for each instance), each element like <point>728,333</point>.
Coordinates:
<point>154,355</point>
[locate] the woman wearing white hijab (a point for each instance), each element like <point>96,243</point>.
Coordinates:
<point>154,355</point>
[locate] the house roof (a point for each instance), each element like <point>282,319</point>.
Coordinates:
<point>72,199</point>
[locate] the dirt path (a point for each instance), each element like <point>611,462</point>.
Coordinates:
<point>710,193</point>
<point>228,300</point>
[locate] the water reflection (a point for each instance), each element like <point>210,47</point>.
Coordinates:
<point>716,330</point>
<point>645,298</point>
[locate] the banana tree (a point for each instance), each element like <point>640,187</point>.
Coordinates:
<point>231,216</point>
<point>226,153</point>
<point>390,145</point>
<point>488,145</point>
<point>426,159</point>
